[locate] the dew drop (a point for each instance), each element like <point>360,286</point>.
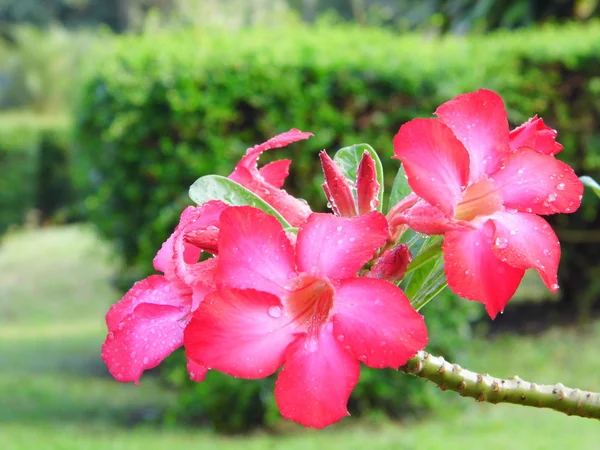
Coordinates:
<point>145,360</point>
<point>275,311</point>
<point>554,287</point>
<point>340,241</point>
<point>560,186</point>
<point>501,242</point>
<point>339,228</point>
<point>363,358</point>
<point>340,337</point>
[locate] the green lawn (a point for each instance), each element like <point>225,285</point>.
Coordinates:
<point>55,392</point>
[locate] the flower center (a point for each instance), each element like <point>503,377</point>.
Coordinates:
<point>479,199</point>
<point>310,302</point>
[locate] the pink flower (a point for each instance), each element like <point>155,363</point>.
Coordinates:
<point>147,324</point>
<point>483,188</point>
<point>303,308</point>
<point>267,182</point>
<point>339,192</point>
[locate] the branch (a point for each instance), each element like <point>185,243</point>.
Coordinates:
<point>485,388</point>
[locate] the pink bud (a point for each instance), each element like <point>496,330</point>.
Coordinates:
<point>337,189</point>
<point>391,266</point>
<point>367,187</point>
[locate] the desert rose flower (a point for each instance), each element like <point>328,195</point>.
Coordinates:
<point>484,188</point>
<point>303,307</point>
<point>147,324</point>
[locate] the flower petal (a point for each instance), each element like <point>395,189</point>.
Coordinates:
<point>243,333</point>
<point>155,289</point>
<point>474,272</point>
<point>247,174</point>
<point>367,186</point>
<point>316,381</point>
<point>532,182</point>
<point>427,219</point>
<point>535,134</point>
<point>527,241</point>
<point>254,251</point>
<point>337,247</point>
<point>142,340</point>
<point>197,372</point>
<point>276,172</point>
<point>375,322</point>
<point>392,265</point>
<point>435,162</point>
<point>337,189</point>
<point>478,120</point>
<point>197,230</point>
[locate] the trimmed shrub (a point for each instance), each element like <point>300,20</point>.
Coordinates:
<point>163,110</point>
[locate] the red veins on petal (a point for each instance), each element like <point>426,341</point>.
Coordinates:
<point>266,184</point>
<point>316,381</point>
<point>537,135</point>
<point>367,186</point>
<point>337,189</point>
<point>145,327</point>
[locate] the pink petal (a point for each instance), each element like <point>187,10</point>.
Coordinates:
<point>155,289</point>
<point>478,120</point>
<point>142,340</point>
<point>337,247</point>
<point>474,272</point>
<point>532,182</point>
<point>316,381</point>
<point>535,134</point>
<point>197,372</point>
<point>427,219</point>
<point>527,241</point>
<point>375,322</point>
<point>254,251</point>
<point>276,172</point>
<point>392,265</point>
<point>197,230</point>
<point>243,333</point>
<point>367,186</point>
<point>436,163</point>
<point>246,173</point>
<point>337,189</point>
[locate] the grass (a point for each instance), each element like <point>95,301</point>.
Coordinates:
<point>56,394</point>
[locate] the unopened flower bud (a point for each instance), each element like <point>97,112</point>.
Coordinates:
<point>391,266</point>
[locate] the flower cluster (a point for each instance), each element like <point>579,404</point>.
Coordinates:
<point>247,296</point>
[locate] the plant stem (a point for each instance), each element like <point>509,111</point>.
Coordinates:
<point>485,388</point>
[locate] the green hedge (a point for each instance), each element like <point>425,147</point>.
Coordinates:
<point>163,110</point>
<point>34,154</point>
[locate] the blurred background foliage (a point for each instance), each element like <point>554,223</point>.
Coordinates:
<point>110,109</point>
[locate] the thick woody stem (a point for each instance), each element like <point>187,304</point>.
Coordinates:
<point>485,388</point>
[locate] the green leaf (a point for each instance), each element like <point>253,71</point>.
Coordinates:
<point>400,189</point>
<point>591,183</point>
<point>425,277</point>
<point>348,158</point>
<point>216,187</point>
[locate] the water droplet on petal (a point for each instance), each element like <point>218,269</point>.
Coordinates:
<point>275,311</point>
<point>340,337</point>
<point>560,186</point>
<point>363,358</point>
<point>339,228</point>
<point>145,360</point>
<point>501,242</point>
